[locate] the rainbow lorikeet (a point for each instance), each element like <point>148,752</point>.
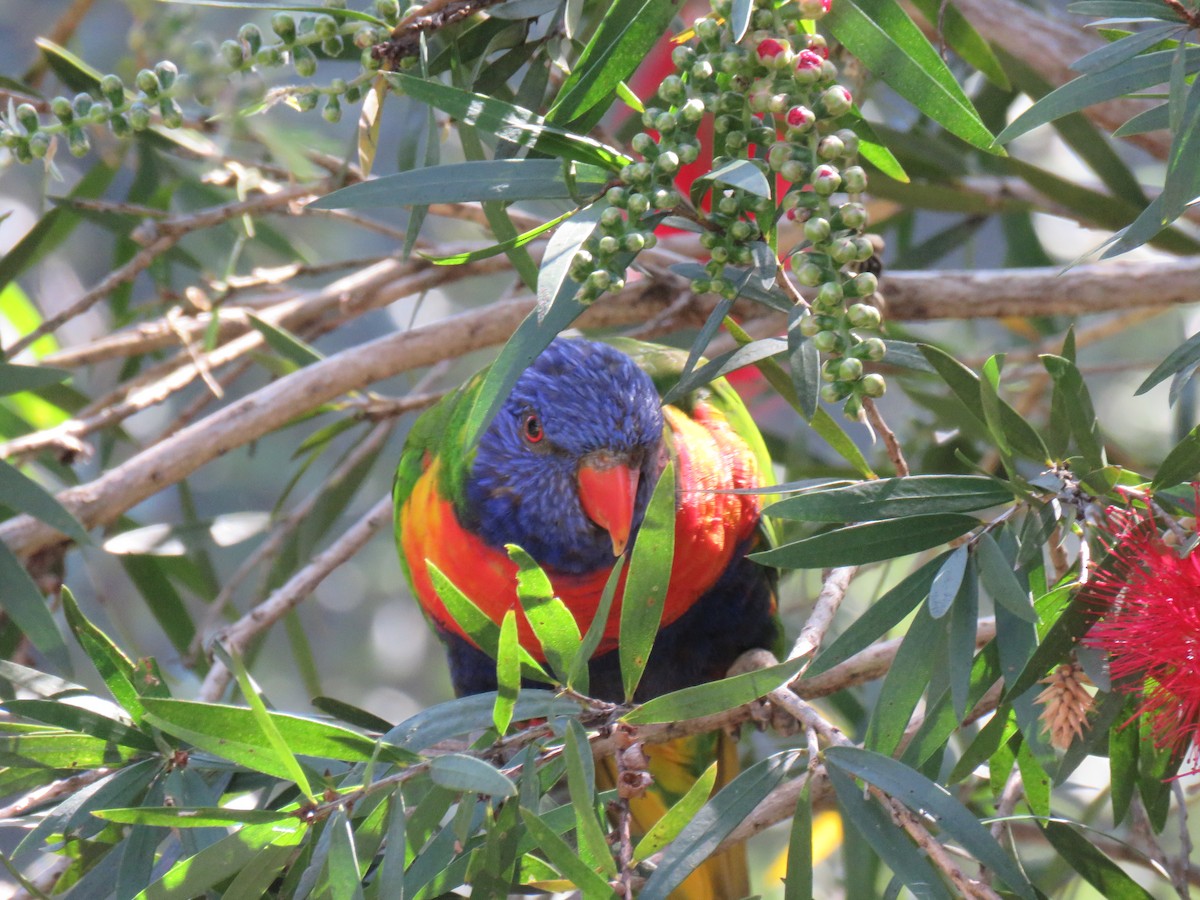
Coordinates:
<point>565,471</point>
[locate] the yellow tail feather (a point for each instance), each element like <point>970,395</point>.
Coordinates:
<point>675,766</point>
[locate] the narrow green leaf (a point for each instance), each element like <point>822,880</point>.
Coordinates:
<point>964,40</point>
<point>117,670</point>
<point>1124,49</point>
<point>1181,463</point>
<point>354,715</point>
<point>646,586</point>
<point>520,240</point>
<point>868,542</point>
<point>720,366</point>
<point>1185,355</point>
<point>713,822</point>
<point>887,498</point>
<point>21,493</point>
<point>804,365</point>
<point>947,581</point>
<point>285,343</point>
<point>924,797</point>
<point>195,817</point>
<point>564,858</point>
<point>1080,412</point>
<point>211,726</point>
<point>715,696</point>
<point>1134,75</point>
<point>554,284</point>
<point>889,842</point>
<point>266,725</point>
<point>967,387</point>
<point>581,784</point>
<point>468,774</point>
<point>27,609</point>
<point>193,875</point>
<point>508,673</point>
<point>960,646</point>
<point>798,884</point>
<point>474,713</point>
<point>15,378</point>
<point>621,42</point>
<point>509,122</point>
<point>883,615</point>
<point>882,36</point>
<point>1000,579</point>
<point>1123,762</point>
<point>552,623</point>
<point>743,174</point>
<point>64,714</point>
<point>677,817</point>
<point>578,677</point>
<point>495,179</point>
<point>1098,870</point>
<point>906,681</point>
<point>474,621</point>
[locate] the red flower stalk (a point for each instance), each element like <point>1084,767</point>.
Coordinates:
<point>1151,627</point>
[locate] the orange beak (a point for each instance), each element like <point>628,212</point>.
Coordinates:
<point>608,486</point>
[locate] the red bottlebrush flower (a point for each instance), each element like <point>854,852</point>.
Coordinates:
<point>1151,627</point>
<point>808,63</point>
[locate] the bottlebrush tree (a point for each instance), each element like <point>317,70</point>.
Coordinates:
<point>943,250</point>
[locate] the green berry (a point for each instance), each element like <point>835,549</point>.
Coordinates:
<point>172,115</point>
<point>853,215</point>
<point>306,100</point>
<point>120,125</point>
<point>617,196</point>
<point>855,179</point>
<point>28,117</point>
<point>304,61</point>
<point>608,245</point>
<point>325,27</point>
<point>826,179</point>
<point>862,315</point>
<point>828,342</point>
<point>82,105</point>
<point>61,107</point>
<point>836,101</point>
<point>39,144</point>
<point>638,204</point>
<point>139,116</point>
<point>873,385</point>
<point>865,284</point>
<point>167,72</point>
<point>794,171</point>
<point>611,218</point>
<point>599,280</point>
<point>633,242</point>
<point>231,53</point>
<point>333,109</point>
<point>809,325</point>
<point>832,393</point>
<point>843,251</point>
<point>77,142</point>
<point>807,273</point>
<point>284,26</point>
<point>113,89</point>
<point>829,295</point>
<point>682,57</point>
<point>333,46</point>
<point>831,147</point>
<point>849,369</point>
<point>388,9</point>
<point>817,230</point>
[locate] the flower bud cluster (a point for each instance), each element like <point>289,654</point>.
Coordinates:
<point>155,94</point>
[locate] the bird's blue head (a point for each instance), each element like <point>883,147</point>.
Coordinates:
<point>566,468</point>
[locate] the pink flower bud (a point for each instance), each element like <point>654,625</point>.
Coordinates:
<point>808,66</point>
<point>837,100</point>
<point>768,49</point>
<point>800,117</point>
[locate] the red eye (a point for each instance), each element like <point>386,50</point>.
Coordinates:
<point>533,428</point>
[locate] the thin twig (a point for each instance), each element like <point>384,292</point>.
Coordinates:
<point>833,591</point>
<point>894,451</point>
